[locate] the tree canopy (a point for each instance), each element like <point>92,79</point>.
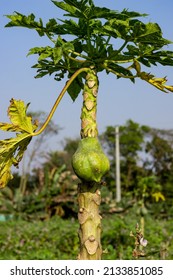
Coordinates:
<point>117,42</point>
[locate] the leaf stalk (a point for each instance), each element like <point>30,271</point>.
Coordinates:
<point>43,127</point>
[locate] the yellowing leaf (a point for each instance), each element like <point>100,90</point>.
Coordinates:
<point>12,149</point>
<point>159,83</point>
<point>17,114</point>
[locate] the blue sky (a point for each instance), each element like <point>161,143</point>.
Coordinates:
<point>118,101</point>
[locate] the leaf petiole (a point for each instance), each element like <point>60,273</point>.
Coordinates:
<point>59,99</point>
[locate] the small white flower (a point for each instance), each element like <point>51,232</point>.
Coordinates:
<point>143,242</point>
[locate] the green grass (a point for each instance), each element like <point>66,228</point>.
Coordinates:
<point>53,239</point>
<point>57,239</point>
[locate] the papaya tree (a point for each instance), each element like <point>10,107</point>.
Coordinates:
<point>88,40</point>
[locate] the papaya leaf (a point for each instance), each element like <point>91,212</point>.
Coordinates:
<point>73,8</point>
<point>53,28</point>
<point>149,34</point>
<point>78,9</point>
<point>74,28</point>
<point>162,57</point>
<point>18,19</point>
<point>43,52</point>
<point>159,83</point>
<point>102,12</point>
<point>57,54</point>
<point>120,71</point>
<point>12,149</point>
<point>75,88</point>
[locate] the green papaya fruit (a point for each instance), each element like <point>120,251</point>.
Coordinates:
<point>89,161</point>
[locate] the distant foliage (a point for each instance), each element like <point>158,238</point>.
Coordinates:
<point>33,241</point>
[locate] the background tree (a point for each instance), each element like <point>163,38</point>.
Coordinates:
<point>100,39</point>
<point>161,153</point>
<point>146,159</point>
<point>160,160</point>
<point>132,143</point>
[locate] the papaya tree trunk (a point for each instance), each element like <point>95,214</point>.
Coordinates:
<point>89,196</point>
<point>89,108</point>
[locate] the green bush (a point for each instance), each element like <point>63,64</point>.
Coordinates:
<point>119,244</point>
<point>52,239</point>
<point>57,239</point>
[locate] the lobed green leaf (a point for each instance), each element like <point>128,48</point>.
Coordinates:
<point>18,19</point>
<point>75,88</point>
<point>72,7</point>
